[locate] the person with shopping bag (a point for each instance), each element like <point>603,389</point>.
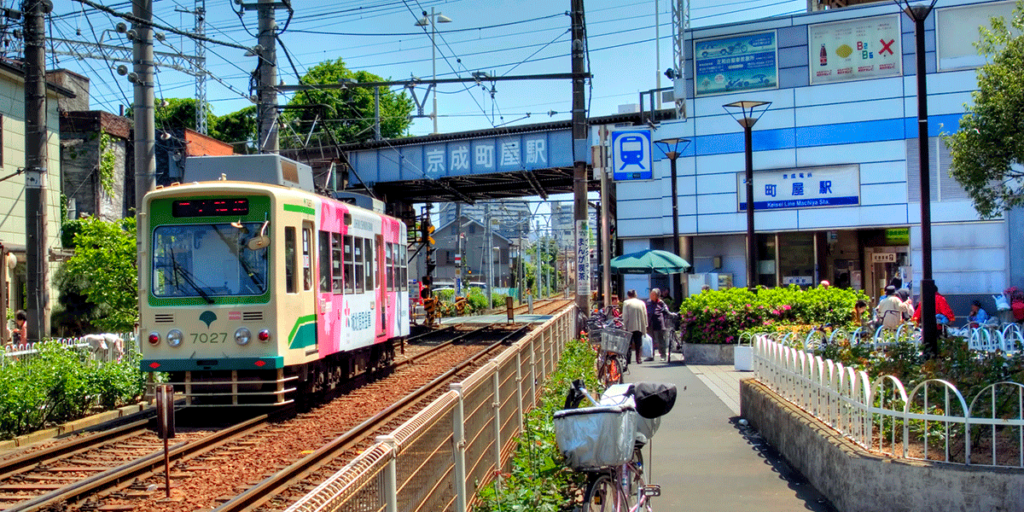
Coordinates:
<point>659,322</point>
<point>634,317</point>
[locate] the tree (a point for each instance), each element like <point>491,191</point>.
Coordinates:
<point>103,272</point>
<point>237,128</point>
<point>349,112</point>
<point>171,113</point>
<point>988,150</point>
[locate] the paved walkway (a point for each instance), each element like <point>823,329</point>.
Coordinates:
<point>704,460</point>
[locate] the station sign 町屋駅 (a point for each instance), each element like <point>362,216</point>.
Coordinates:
<point>808,187</point>
<point>631,155</point>
<point>855,49</point>
<point>747,62</point>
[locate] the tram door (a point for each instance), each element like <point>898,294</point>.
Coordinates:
<point>381,290</point>
<point>309,290</point>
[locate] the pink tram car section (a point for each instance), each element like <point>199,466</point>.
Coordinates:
<point>348,320</point>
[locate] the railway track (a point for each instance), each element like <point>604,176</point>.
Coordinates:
<point>122,469</point>
<point>279,490</point>
<point>543,306</point>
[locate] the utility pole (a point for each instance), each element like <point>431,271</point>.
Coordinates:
<point>489,251</point>
<point>376,122</point>
<point>537,278</point>
<point>36,250</point>
<point>200,14</point>
<point>458,248</point>
<point>580,147</point>
<point>267,90</point>
<point>657,57</point>
<point>145,124</point>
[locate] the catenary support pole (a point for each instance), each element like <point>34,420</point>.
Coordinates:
<point>145,125</point>
<point>36,246</point>
<point>268,142</point>
<point>580,140</point>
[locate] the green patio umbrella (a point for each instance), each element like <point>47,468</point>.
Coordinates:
<point>650,261</point>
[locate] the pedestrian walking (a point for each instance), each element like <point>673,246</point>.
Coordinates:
<point>659,321</point>
<point>891,309</point>
<point>634,315</point>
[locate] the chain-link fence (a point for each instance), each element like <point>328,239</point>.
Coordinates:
<point>437,459</point>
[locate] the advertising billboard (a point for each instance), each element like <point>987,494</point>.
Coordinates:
<point>747,62</point>
<point>855,49</point>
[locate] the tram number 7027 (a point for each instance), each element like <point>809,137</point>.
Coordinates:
<point>209,337</point>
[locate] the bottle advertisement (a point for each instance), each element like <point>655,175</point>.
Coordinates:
<point>854,50</point>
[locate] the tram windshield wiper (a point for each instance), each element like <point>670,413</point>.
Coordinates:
<point>179,270</point>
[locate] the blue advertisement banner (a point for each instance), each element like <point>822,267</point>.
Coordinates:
<point>741,63</point>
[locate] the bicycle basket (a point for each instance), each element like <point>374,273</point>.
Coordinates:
<point>615,340</point>
<point>593,438</point>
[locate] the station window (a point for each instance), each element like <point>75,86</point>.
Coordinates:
<point>370,267</point>
<point>338,277</point>
<point>307,259</point>
<point>350,274</point>
<point>358,261</point>
<point>325,262</point>
<point>289,259</point>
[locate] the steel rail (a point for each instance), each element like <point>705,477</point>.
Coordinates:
<point>275,484</point>
<point>137,468</point>
<point>18,465</point>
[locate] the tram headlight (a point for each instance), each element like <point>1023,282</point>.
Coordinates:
<point>154,338</point>
<point>264,335</point>
<point>174,337</point>
<point>242,336</point>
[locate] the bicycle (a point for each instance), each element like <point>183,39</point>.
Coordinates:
<point>613,356</point>
<point>617,480</point>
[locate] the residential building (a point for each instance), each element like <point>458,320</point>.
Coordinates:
<point>474,255</point>
<point>512,215</point>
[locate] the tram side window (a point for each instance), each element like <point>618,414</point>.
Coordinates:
<point>336,274</point>
<point>358,261</point>
<point>350,273</point>
<point>403,266</point>
<point>307,260</point>
<point>289,259</point>
<point>370,267</point>
<point>325,261</point>
<point>389,267</point>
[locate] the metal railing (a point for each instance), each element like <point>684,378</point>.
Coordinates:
<point>437,459</point>
<point>932,422</point>
<point>26,352</point>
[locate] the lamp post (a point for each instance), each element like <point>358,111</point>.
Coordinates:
<point>929,329</point>
<point>748,116</point>
<point>433,19</point>
<point>672,150</point>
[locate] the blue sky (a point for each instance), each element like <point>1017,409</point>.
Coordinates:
<point>379,36</point>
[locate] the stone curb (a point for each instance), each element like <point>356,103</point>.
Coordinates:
<point>73,426</point>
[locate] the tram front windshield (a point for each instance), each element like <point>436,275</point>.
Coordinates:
<point>208,260</point>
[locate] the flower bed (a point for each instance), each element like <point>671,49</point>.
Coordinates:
<point>721,316</point>
<point>538,479</point>
<point>61,384</point>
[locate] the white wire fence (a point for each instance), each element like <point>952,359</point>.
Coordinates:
<point>933,421</point>
<point>1007,338</point>
<point>102,348</point>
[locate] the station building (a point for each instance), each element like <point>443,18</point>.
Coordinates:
<point>835,156</point>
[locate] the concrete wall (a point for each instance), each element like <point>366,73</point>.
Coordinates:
<point>857,480</point>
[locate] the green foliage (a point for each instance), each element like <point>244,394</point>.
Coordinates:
<point>103,271</point>
<point>350,111</point>
<point>107,161</point>
<point>62,384</point>
<point>539,480</point>
<point>990,140</point>
<point>236,128</point>
<point>721,316</point>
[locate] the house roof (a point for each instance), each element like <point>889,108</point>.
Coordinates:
<point>494,233</point>
<point>18,71</point>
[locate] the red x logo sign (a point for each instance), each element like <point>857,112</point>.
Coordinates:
<point>886,47</point>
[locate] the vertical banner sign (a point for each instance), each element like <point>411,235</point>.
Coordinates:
<point>583,258</point>
<point>739,63</point>
<point>854,50</point>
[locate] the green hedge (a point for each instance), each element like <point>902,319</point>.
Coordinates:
<point>539,479</point>
<point>720,316</point>
<point>61,384</point>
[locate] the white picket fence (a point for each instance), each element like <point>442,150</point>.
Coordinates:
<point>933,421</point>
<point>22,353</point>
<point>1008,338</point>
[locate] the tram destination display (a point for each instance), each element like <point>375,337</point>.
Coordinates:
<point>210,207</point>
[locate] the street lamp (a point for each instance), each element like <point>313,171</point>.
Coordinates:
<point>433,19</point>
<point>671,148</point>
<point>748,115</point>
<point>929,330</point>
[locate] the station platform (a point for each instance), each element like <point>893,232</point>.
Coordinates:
<point>495,319</point>
<point>704,459</point>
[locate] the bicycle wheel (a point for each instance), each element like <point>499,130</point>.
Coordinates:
<point>612,372</point>
<point>603,495</point>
